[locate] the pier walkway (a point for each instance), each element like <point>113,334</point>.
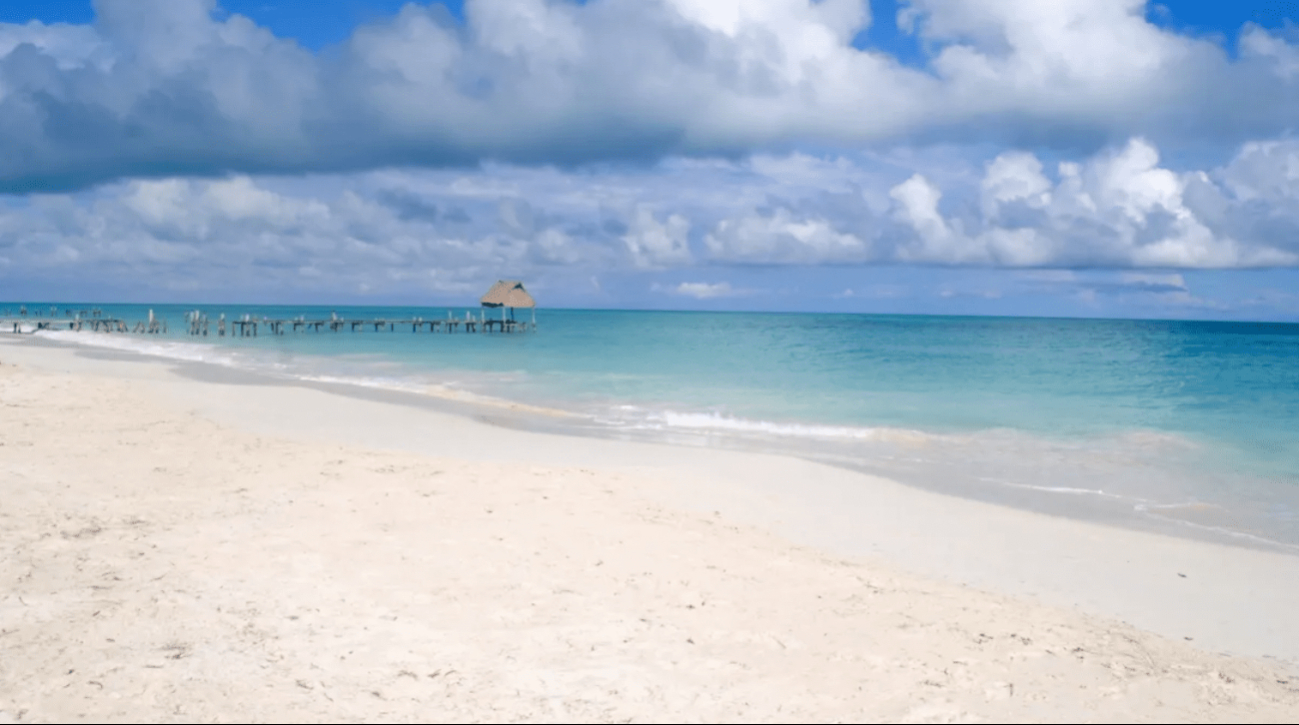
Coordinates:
<point>198,323</point>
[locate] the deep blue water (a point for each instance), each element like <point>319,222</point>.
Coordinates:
<point>1192,422</point>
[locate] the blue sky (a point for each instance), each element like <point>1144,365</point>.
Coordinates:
<point>1077,157</point>
<point>326,22</point>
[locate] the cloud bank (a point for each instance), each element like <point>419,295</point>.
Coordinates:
<point>164,88</point>
<point>450,231</point>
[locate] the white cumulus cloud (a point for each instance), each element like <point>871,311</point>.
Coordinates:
<point>707,290</point>
<point>1120,208</point>
<point>417,232</point>
<point>654,244</point>
<point>168,87</point>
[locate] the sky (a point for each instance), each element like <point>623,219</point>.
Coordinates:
<point>1095,158</point>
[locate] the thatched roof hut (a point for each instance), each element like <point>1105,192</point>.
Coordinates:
<point>508,293</point>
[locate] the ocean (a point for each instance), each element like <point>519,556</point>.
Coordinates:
<point>1183,427</point>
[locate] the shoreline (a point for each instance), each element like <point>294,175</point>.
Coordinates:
<point>767,539</point>
<point>754,502</point>
<point>1090,506</point>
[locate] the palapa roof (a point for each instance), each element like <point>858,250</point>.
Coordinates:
<point>508,293</point>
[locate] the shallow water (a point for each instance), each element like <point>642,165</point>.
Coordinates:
<point>1190,424</point>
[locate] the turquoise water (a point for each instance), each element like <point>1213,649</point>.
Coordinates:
<point>1185,424</point>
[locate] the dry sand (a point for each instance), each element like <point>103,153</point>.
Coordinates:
<point>184,550</point>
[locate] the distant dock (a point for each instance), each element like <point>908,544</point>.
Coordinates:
<point>201,324</point>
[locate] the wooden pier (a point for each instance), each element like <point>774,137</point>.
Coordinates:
<point>200,324</point>
<point>507,295</point>
<point>105,324</point>
<point>253,327</point>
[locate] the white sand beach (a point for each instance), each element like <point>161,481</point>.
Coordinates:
<point>194,549</point>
